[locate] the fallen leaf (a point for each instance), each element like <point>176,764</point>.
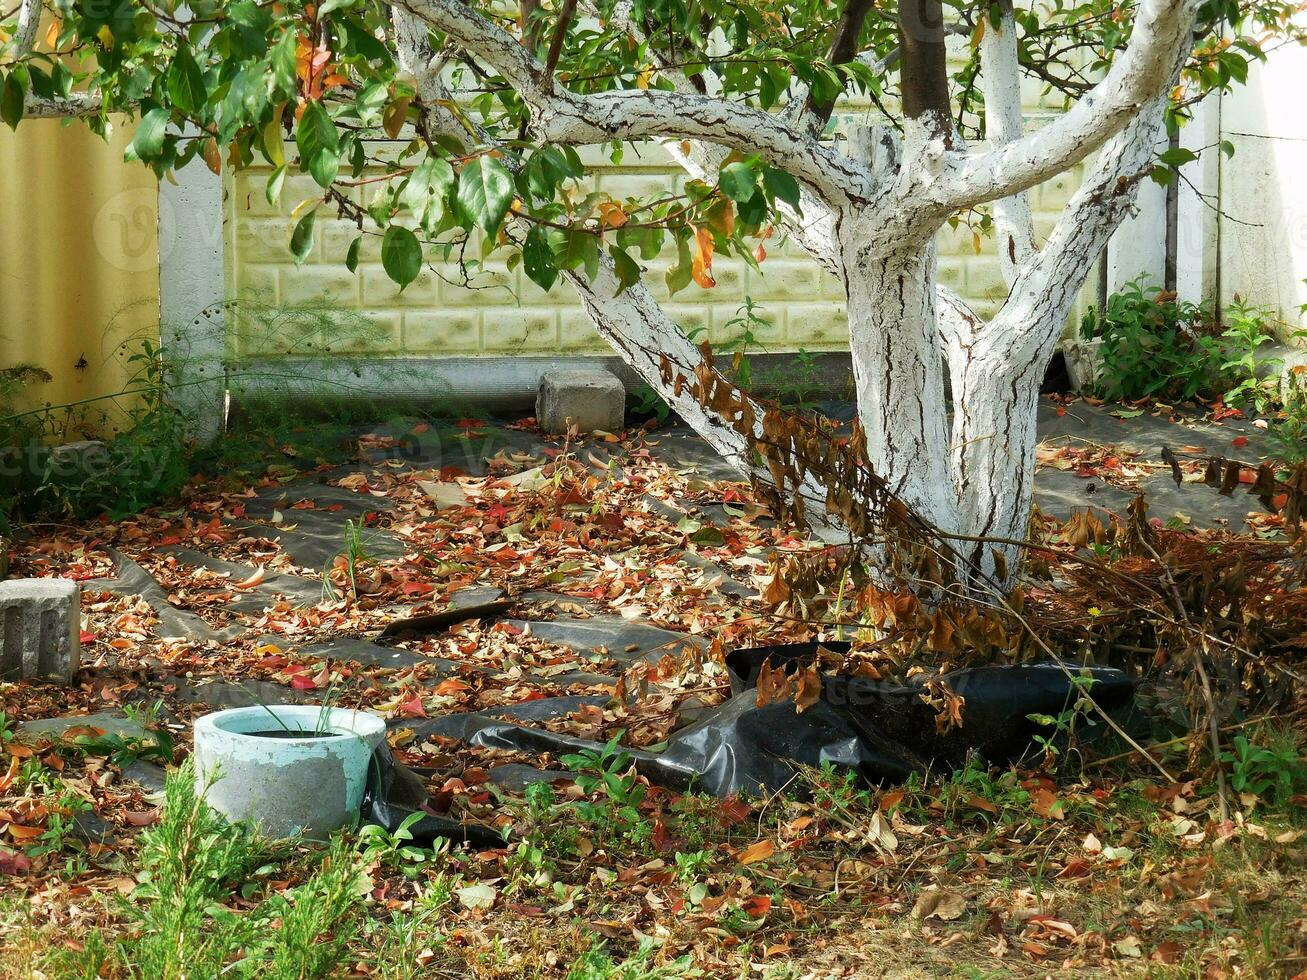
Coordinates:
<point>477,896</point>
<point>759,851</point>
<point>259,575</point>
<point>939,903</point>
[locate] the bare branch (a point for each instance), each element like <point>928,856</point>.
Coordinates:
<point>566,117</point>
<point>1001,83</point>
<point>76,104</point>
<point>1139,74</point>
<point>29,20</point>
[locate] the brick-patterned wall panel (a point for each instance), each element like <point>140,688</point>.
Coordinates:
<point>321,307</point>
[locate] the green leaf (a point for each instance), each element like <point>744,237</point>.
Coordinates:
<point>319,146</point>
<point>627,269</point>
<point>432,176</point>
<point>401,255</point>
<point>538,258</point>
<point>186,82</point>
<point>352,256</point>
<point>148,141</point>
<point>272,189</point>
<point>738,181</point>
<point>12,96</point>
<point>678,276</point>
<point>1177,156</point>
<point>580,250</point>
<point>282,63</point>
<point>781,186</point>
<point>485,192</point>
<point>301,239</point>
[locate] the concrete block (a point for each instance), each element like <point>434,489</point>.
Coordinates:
<point>586,399</point>
<point>40,629</point>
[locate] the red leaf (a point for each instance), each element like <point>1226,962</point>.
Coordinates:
<point>417,588</point>
<point>142,818</point>
<point>758,906</point>
<point>301,683</point>
<point>412,708</point>
<point>1238,442</point>
<point>734,810</point>
<point>87,637</point>
<point>12,863</point>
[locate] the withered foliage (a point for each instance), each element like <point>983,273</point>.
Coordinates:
<point>801,463</point>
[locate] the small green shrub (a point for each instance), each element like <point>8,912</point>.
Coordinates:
<point>1155,345</point>
<point>1274,771</point>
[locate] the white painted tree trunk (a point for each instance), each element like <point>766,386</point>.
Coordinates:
<point>898,372</point>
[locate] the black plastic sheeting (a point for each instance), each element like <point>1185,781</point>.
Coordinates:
<point>883,731</point>
<point>394,792</point>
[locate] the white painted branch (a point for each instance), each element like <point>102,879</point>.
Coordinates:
<point>1045,291</point>
<point>76,104</point>
<point>812,226</point>
<point>565,117</point>
<point>1137,76</point>
<point>29,20</point>
<point>413,46</point>
<point>1001,83</point>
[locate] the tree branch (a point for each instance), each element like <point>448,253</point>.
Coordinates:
<point>29,20</point>
<point>1001,83</point>
<point>1141,72</point>
<point>561,116</point>
<point>76,104</point>
<point>843,49</point>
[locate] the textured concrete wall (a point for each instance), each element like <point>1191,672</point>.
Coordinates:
<point>507,314</point>
<point>320,306</point>
<point>1263,197</point>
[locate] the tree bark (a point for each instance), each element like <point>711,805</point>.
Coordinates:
<point>897,368</point>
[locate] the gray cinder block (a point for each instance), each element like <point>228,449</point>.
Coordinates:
<point>40,629</point>
<point>588,399</point>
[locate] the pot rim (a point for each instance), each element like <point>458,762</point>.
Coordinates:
<point>340,721</point>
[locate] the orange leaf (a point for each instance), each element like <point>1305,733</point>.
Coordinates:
<point>142,818</point>
<point>759,851</point>
<point>212,155</point>
<point>11,775</point>
<point>259,575</point>
<point>809,690</point>
<point>612,214</point>
<point>412,708</point>
<point>701,267</point>
<point>19,832</point>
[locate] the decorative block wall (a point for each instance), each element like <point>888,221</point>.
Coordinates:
<point>321,307</point>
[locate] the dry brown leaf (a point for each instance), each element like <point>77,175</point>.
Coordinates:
<point>939,903</point>
<point>758,851</point>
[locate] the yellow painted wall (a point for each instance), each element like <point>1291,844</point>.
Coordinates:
<point>79,263</point>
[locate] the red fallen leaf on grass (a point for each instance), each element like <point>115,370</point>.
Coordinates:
<point>1238,442</point>
<point>734,810</point>
<point>758,906</point>
<point>417,588</point>
<point>142,818</point>
<point>412,708</point>
<point>87,637</point>
<point>758,851</point>
<point>13,863</point>
<point>1075,868</point>
<point>301,683</point>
